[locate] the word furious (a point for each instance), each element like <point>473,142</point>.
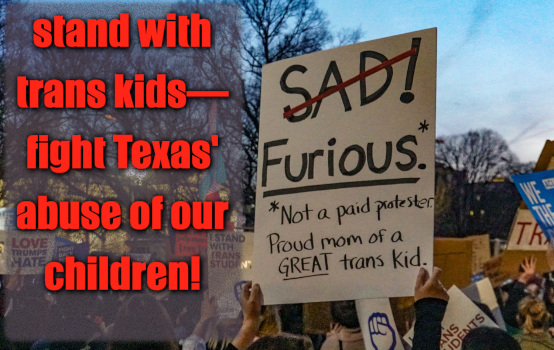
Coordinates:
<point>361,156</point>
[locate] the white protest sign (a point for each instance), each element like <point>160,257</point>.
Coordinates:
<point>377,324</point>
<point>345,187</point>
<point>461,316</point>
<point>526,233</point>
<point>229,255</point>
<point>27,251</point>
<point>8,217</point>
<point>483,292</point>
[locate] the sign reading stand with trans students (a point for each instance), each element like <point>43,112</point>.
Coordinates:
<point>344,203</point>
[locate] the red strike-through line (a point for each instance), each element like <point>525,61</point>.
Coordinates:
<point>351,81</point>
<point>207,93</point>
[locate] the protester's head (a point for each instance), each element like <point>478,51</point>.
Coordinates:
<point>344,313</point>
<point>489,338</point>
<point>219,333</point>
<point>282,342</point>
<point>485,309</point>
<point>141,323</point>
<point>533,286</point>
<point>533,315</point>
<point>270,323</point>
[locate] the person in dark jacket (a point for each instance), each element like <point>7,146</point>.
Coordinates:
<point>518,291</point>
<point>431,300</point>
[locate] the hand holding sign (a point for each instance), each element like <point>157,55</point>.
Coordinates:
<point>461,316</point>
<point>251,301</point>
<point>429,287</point>
<point>381,333</point>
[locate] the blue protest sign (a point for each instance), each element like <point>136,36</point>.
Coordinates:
<point>537,190</point>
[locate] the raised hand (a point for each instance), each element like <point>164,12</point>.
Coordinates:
<point>251,301</point>
<point>208,308</point>
<point>430,287</point>
<point>528,266</point>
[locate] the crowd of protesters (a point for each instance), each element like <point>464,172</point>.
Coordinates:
<point>117,321</point>
<point>527,308</point>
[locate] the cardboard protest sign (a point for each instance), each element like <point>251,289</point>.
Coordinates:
<point>461,316</point>
<point>27,251</point>
<point>480,252</point>
<point>378,326</point>
<point>546,158</point>
<point>345,188</point>
<point>483,292</point>
<point>229,254</point>
<point>537,190</point>
<point>455,257</point>
<point>526,233</point>
<point>506,266</point>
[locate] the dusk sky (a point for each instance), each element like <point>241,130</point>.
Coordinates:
<point>495,65</point>
<point>495,61</point>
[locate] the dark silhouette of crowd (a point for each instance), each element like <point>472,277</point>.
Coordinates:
<point>33,318</point>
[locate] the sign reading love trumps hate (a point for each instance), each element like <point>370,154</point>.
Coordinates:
<point>27,252</point>
<point>346,183</point>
